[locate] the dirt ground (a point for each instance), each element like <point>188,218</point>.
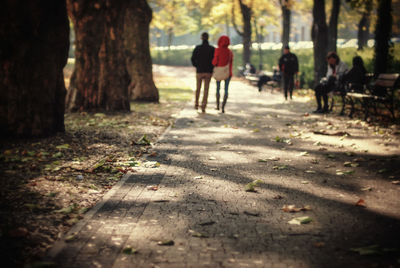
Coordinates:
<point>48,184</point>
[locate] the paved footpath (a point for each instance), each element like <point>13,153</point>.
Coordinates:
<point>196,198</point>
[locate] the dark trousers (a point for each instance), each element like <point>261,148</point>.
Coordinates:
<point>288,84</point>
<point>322,90</point>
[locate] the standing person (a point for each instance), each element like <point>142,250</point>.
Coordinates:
<point>336,71</point>
<point>289,66</point>
<point>201,59</point>
<point>223,56</point>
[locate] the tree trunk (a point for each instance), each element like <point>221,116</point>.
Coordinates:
<point>383,31</point>
<point>286,17</point>
<point>333,25</point>
<point>33,53</point>
<point>138,59</point>
<point>363,31</point>
<point>100,80</point>
<point>319,36</point>
<point>246,15</point>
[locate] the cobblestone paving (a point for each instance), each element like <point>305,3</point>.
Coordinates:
<point>202,206</point>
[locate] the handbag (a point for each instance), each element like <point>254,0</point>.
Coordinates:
<point>221,72</point>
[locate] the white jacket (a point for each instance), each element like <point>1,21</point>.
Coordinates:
<point>341,69</point>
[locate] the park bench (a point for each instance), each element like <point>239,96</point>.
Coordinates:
<point>252,78</point>
<point>381,91</point>
<point>343,89</point>
<point>265,77</point>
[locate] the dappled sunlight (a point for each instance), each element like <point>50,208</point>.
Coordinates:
<point>220,183</point>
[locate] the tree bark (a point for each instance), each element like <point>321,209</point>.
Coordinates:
<point>137,49</point>
<point>33,53</point>
<point>333,25</point>
<point>286,20</point>
<point>246,15</point>
<point>319,36</point>
<point>363,31</point>
<point>383,31</point>
<point>100,80</point>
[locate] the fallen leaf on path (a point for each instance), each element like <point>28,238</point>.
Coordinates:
<point>129,251</point>
<point>161,201</point>
<point>71,237</point>
<point>63,146</point>
<point>198,177</point>
<point>304,182</point>
<point>254,214</point>
<point>166,243</point>
<point>250,187</point>
<point>300,220</point>
<point>344,172</point>
<point>369,250</point>
<point>153,154</point>
<point>366,188</point>
<point>319,244</point>
<point>272,158</point>
<point>212,158</point>
<point>142,141</point>
<point>152,187</point>
<point>151,164</point>
<point>256,130</point>
<point>197,234</point>
<point>280,167</point>
<point>207,223</point>
<point>361,203</point>
<point>303,154</point>
<point>310,171</point>
<point>293,208</point>
<point>396,182</point>
<point>338,133</point>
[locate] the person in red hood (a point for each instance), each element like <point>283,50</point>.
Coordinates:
<point>223,56</point>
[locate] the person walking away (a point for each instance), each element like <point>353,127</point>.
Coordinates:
<point>289,66</point>
<point>356,76</point>
<point>336,71</point>
<point>223,56</point>
<point>202,57</point>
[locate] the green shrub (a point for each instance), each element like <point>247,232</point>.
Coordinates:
<point>270,59</point>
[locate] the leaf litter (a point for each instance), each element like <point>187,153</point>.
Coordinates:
<point>46,177</point>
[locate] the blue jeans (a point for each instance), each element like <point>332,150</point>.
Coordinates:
<point>226,86</point>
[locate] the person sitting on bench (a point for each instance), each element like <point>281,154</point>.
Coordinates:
<point>336,70</point>
<point>356,76</point>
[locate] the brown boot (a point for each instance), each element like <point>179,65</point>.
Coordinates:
<point>217,102</point>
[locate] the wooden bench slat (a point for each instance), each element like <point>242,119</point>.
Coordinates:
<point>388,76</point>
<point>385,83</point>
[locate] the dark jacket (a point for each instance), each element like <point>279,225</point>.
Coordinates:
<point>288,64</point>
<point>202,57</point>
